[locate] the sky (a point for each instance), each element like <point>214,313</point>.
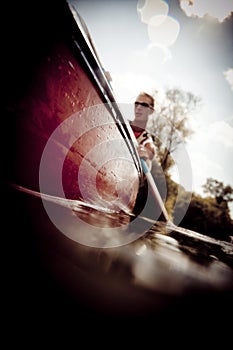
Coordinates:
<point>155,45</point>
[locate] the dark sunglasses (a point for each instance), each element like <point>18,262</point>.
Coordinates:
<point>143,104</point>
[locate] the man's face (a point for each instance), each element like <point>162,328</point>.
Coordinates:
<point>142,110</point>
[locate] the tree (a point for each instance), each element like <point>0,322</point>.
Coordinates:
<point>170,125</point>
<point>217,190</point>
<point>206,216</point>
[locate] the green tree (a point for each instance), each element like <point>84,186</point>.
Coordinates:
<point>170,127</point>
<point>217,190</point>
<point>206,216</point>
<point>170,123</point>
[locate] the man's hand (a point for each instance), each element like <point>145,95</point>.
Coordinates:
<point>143,152</point>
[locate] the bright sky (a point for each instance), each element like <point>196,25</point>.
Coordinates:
<point>156,44</point>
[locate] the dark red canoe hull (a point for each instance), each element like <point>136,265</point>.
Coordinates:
<point>68,138</point>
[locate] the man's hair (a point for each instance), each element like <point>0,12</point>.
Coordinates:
<point>143,93</point>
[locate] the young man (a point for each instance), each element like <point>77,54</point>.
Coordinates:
<point>143,108</point>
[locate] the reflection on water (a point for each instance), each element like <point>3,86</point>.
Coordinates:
<point>114,274</point>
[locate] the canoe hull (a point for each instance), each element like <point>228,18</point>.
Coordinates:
<point>66,141</point>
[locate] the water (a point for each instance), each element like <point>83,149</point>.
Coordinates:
<point>160,270</point>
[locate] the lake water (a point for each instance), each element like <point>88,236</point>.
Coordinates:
<point>110,264</point>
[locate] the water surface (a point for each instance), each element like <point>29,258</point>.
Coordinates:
<point>109,264</point>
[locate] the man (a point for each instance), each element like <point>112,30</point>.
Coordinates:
<point>143,108</point>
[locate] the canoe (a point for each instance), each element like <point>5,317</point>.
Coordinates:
<point>68,137</point>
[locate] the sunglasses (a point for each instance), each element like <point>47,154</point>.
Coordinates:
<point>143,104</point>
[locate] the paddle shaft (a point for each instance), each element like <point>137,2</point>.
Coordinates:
<point>154,189</point>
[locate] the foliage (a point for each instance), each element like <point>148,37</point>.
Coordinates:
<point>204,215</point>
<point>217,190</point>
<point>170,123</point>
<point>170,127</point>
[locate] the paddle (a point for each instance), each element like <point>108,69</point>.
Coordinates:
<point>154,190</point>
